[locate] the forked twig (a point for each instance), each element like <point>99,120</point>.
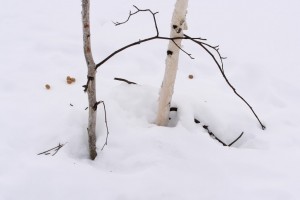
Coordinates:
<point>140,41</point>
<point>137,11</point>
<point>55,149</point>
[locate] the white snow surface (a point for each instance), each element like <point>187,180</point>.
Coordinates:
<point>41,43</point>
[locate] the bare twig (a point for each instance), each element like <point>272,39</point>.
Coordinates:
<point>196,40</point>
<point>213,135</point>
<point>236,139</point>
<point>107,131</point>
<point>146,39</point>
<point>105,118</point>
<point>188,54</point>
<point>55,149</point>
<point>216,48</point>
<point>225,77</point>
<point>124,80</point>
<point>216,138</point>
<point>137,11</point>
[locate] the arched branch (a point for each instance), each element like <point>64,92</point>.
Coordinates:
<point>203,45</point>
<point>197,40</point>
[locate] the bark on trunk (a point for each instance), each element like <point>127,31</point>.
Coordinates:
<point>167,88</point>
<point>91,77</point>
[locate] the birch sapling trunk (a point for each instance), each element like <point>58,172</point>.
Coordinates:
<point>167,88</point>
<point>91,91</point>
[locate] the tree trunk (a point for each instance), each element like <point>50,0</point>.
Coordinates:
<point>91,91</point>
<point>167,88</point>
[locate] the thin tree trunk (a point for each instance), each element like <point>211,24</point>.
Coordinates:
<point>91,77</point>
<point>167,88</point>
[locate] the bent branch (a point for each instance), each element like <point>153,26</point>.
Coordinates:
<point>197,40</point>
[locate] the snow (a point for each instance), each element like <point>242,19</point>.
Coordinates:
<point>41,43</point>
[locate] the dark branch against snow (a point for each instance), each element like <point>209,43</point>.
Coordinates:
<point>197,40</point>
<point>55,149</point>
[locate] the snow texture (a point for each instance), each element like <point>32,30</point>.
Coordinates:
<point>41,43</point>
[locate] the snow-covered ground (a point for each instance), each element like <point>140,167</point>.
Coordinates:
<point>41,43</point>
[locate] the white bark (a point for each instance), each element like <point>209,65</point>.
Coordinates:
<point>167,88</point>
<point>92,78</point>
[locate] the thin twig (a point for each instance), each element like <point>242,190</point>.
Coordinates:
<point>57,148</point>
<point>188,54</point>
<point>137,43</point>
<point>137,11</point>
<point>226,79</point>
<point>236,139</point>
<point>216,48</point>
<point>123,48</point>
<point>130,14</point>
<point>213,135</point>
<point>124,80</point>
<point>105,119</point>
<point>107,131</point>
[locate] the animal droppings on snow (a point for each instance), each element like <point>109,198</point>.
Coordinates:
<point>47,86</point>
<point>70,80</point>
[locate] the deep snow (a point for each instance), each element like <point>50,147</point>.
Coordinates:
<point>41,43</point>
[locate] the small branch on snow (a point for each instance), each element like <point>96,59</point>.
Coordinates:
<point>215,137</point>
<point>126,81</point>
<point>236,139</point>
<point>55,149</point>
<point>220,66</point>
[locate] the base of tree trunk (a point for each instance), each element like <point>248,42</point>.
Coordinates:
<point>92,147</point>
